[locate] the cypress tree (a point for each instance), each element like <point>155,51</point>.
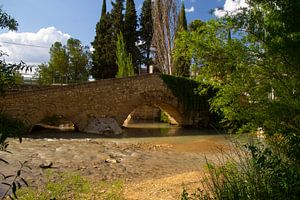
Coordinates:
<point>124,60</point>
<point>146,32</point>
<point>103,58</point>
<point>117,17</point>
<point>130,33</point>
<point>182,63</point>
<point>182,22</point>
<point>103,12</point>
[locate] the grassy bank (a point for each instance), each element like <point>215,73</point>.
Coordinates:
<point>72,186</point>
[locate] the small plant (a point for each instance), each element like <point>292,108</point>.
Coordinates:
<point>163,117</point>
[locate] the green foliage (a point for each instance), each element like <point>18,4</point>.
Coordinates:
<point>187,91</point>
<point>182,58</point>
<point>59,62</point>
<point>257,73</point>
<point>44,74</point>
<point>117,18</point>
<point>78,60</point>
<point>103,11</point>
<point>6,21</point>
<point>72,186</point>
<point>164,117</point>
<point>253,172</point>
<point>195,25</point>
<point>182,22</point>
<point>146,32</point>
<point>181,55</point>
<point>130,33</point>
<point>9,74</point>
<point>68,64</point>
<point>10,127</point>
<point>104,54</point>
<point>124,60</point>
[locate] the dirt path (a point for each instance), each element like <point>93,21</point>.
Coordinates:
<point>150,169</point>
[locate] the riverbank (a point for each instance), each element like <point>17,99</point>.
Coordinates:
<point>150,168</point>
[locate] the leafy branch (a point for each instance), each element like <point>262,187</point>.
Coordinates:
<point>14,182</point>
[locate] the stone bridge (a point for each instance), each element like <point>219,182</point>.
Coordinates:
<point>109,98</point>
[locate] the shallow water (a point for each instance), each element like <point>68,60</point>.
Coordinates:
<point>137,131</point>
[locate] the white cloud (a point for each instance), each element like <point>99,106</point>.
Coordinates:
<point>189,10</point>
<point>230,7</point>
<point>32,48</point>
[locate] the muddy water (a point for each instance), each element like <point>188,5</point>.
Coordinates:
<point>142,156</point>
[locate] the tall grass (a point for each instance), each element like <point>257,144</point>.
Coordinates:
<point>250,172</point>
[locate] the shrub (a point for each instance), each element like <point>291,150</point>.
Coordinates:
<point>252,172</point>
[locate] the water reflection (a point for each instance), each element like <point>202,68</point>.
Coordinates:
<point>161,130</point>
<point>137,130</point>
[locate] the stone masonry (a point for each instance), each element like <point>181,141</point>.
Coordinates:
<point>110,98</point>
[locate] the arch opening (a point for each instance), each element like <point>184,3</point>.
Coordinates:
<point>152,113</point>
<point>54,122</point>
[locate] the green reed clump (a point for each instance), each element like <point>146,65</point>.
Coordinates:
<point>251,172</point>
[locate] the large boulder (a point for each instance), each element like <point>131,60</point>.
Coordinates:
<point>104,126</point>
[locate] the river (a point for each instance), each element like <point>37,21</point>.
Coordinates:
<point>156,133</point>
<point>137,131</point>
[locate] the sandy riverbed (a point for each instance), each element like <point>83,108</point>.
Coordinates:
<point>150,168</point>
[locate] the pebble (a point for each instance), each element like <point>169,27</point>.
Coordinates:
<point>110,160</point>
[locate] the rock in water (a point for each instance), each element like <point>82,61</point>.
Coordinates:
<point>104,126</point>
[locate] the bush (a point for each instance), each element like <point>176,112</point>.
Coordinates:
<point>252,172</point>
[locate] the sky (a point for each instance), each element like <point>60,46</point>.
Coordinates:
<point>43,22</point>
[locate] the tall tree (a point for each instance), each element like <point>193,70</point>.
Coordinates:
<point>78,60</point>
<point>103,11</point>
<point>182,22</point>
<point>146,32</point>
<point>181,63</point>
<point>130,33</point>
<point>124,60</point>
<point>165,18</point>
<point>103,57</point>
<point>67,64</point>
<point>117,17</point>
<point>59,63</point>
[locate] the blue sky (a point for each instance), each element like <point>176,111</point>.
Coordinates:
<point>42,22</point>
